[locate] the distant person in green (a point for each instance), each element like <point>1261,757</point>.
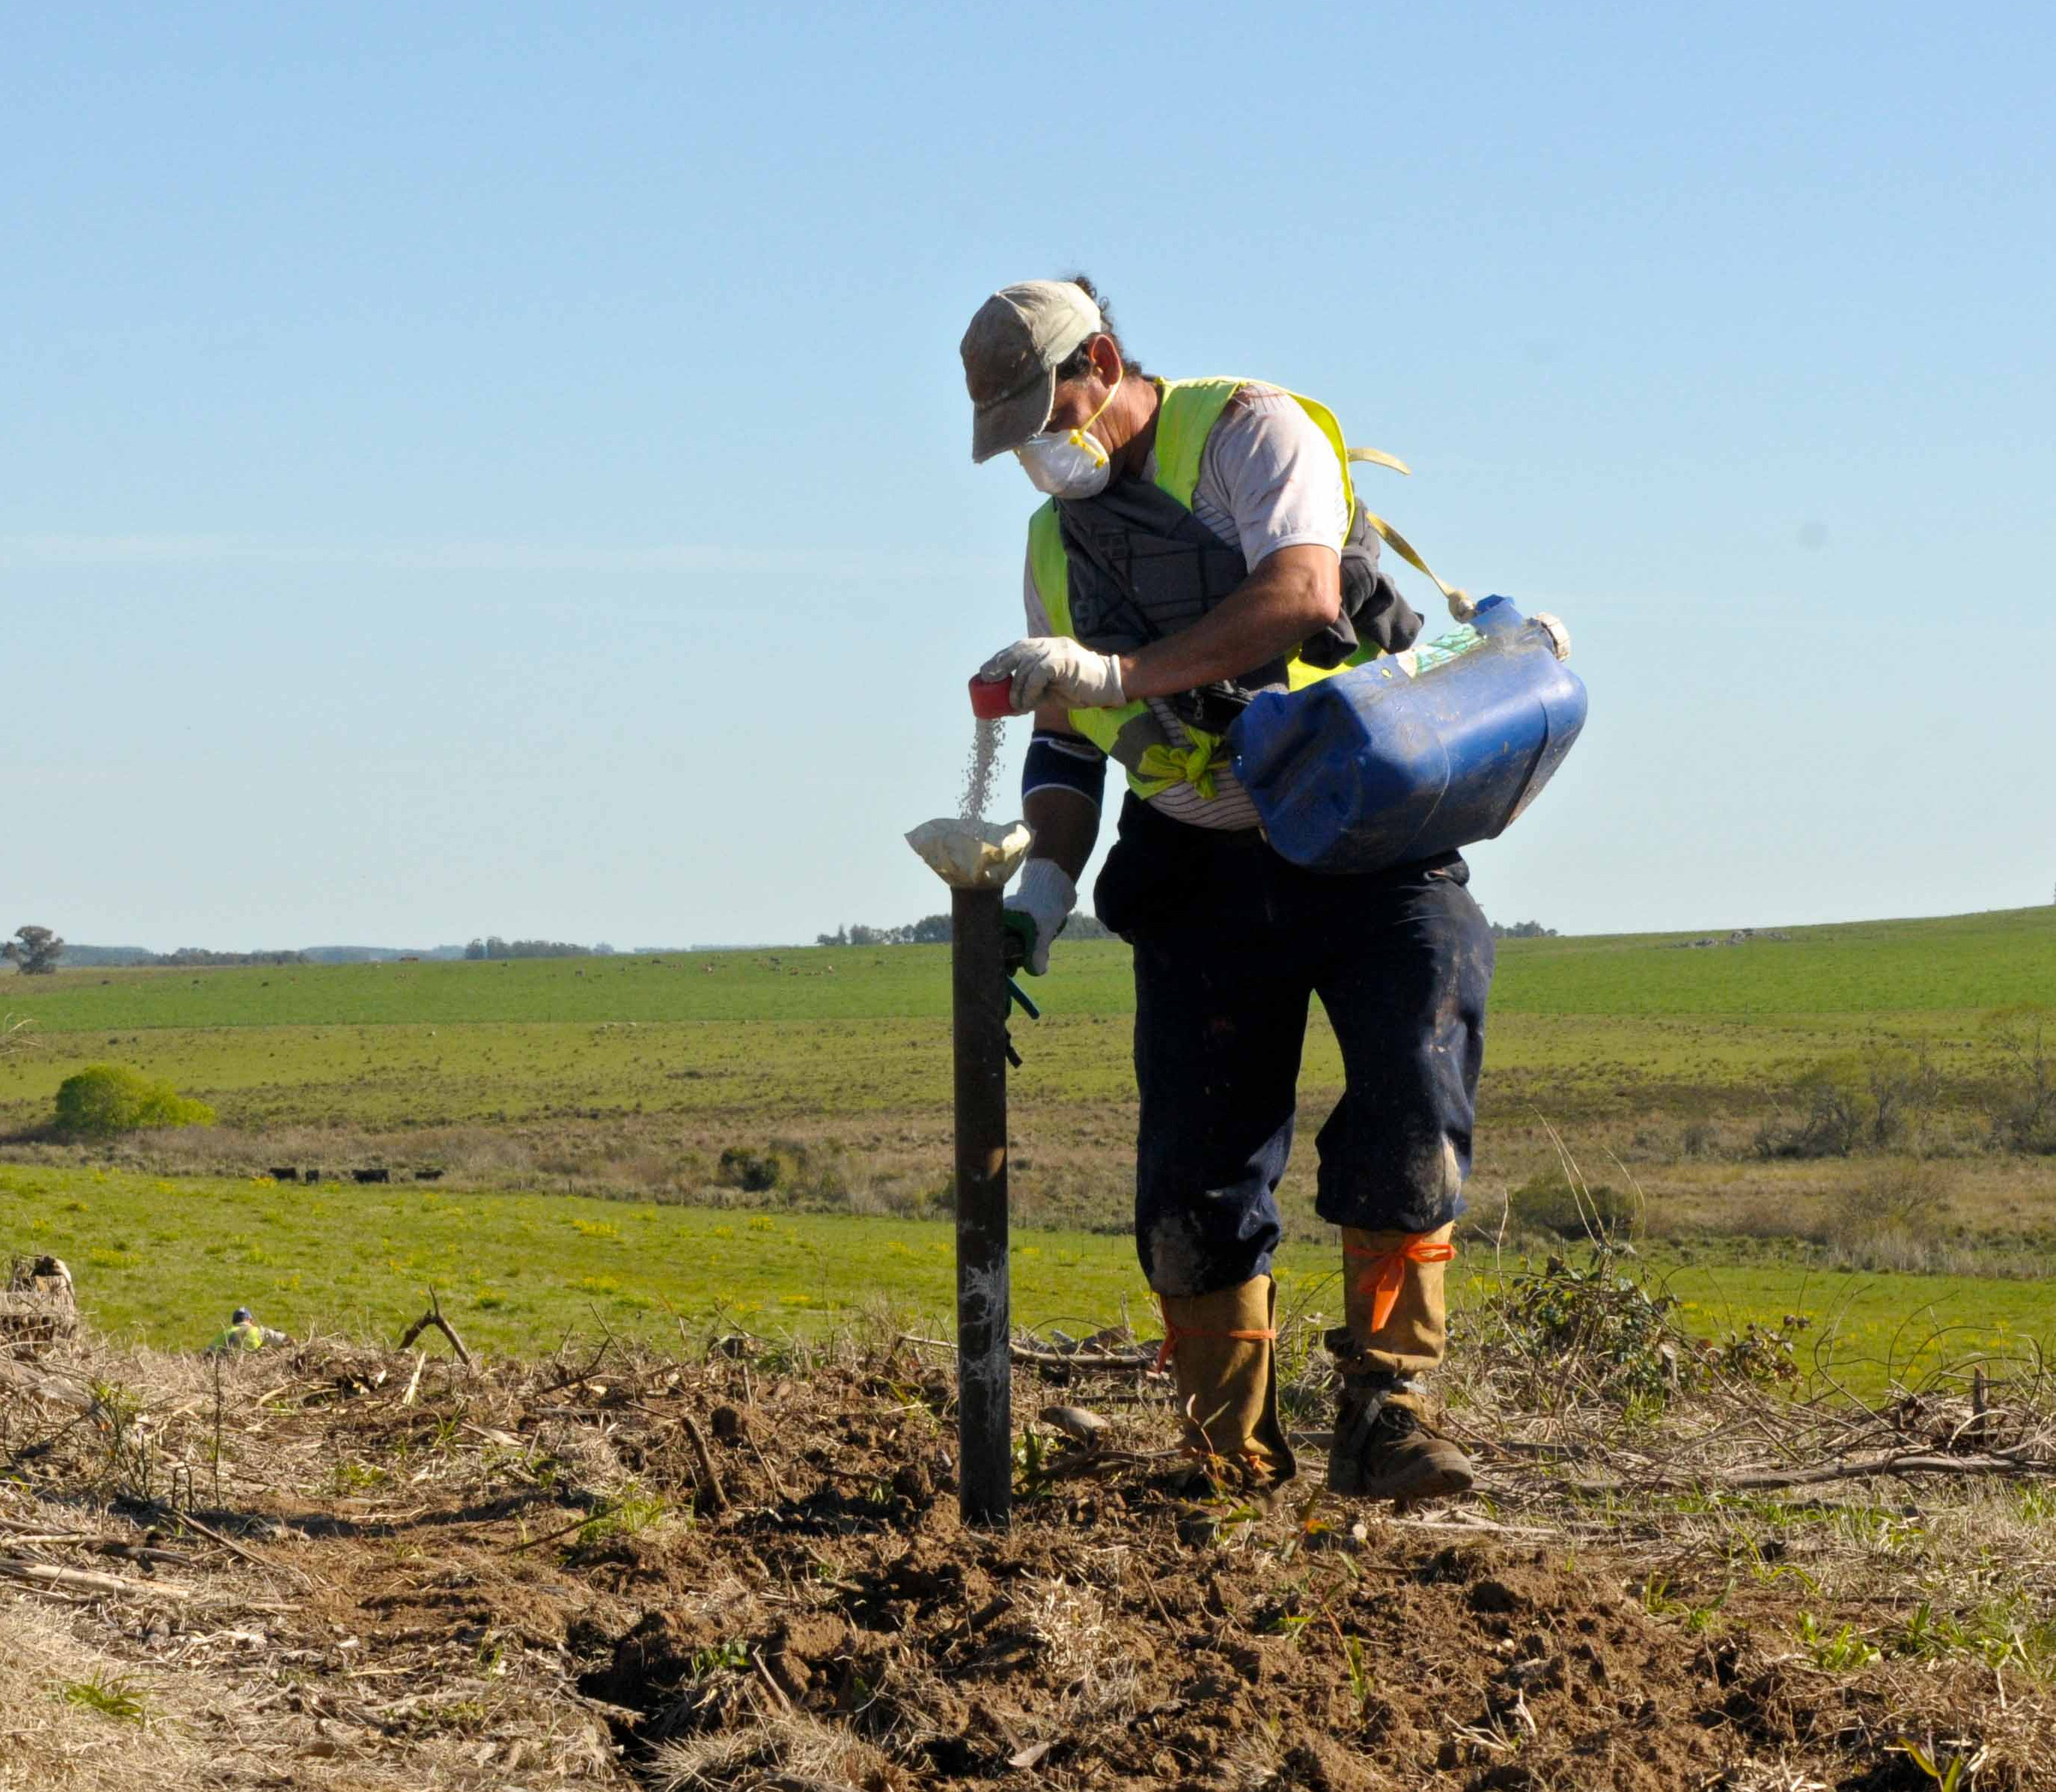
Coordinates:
<point>243,1334</point>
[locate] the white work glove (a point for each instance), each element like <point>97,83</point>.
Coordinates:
<point>1034,915</point>
<point>1055,666</point>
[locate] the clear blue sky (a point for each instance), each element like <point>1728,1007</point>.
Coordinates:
<point>505,468</point>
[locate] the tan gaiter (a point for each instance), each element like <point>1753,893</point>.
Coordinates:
<point>1220,1349</point>
<point>1415,1332</point>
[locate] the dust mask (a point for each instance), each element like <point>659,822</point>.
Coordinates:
<point>1071,463</point>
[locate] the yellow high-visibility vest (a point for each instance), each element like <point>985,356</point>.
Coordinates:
<point>1131,734</point>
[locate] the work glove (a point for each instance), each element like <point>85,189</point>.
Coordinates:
<point>1034,915</point>
<point>1054,666</point>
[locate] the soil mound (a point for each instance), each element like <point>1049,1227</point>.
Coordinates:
<point>337,1568</point>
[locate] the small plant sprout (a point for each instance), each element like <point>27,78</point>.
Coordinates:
<point>731,1656</point>
<point>1840,1652</point>
<point>115,1698</point>
<point>1953,1775</point>
<point>629,1512</point>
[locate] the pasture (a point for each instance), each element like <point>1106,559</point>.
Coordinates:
<point>1656,1063</point>
<point>1951,966</point>
<point>161,1262</point>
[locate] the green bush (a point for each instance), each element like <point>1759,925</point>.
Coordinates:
<point>1547,1203</point>
<point>812,1176</point>
<point>2025,1118</point>
<point>1873,1099</point>
<point>1608,1332</point>
<point>753,1171</point>
<point>104,1099</point>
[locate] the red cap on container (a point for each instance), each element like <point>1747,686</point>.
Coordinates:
<point>991,697</point>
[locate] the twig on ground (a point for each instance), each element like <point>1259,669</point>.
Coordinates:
<point>1902,1464</point>
<point>236,1549</point>
<point>715,1494</point>
<point>1143,1356</point>
<point>79,1579</point>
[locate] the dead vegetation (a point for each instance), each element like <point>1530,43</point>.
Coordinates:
<point>739,1565</point>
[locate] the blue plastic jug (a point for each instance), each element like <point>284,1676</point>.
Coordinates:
<point>1371,768</point>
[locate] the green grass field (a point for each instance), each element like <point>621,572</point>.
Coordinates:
<point>1953,965</point>
<point>163,1261</point>
<point>532,1084</point>
<point>1580,1028</point>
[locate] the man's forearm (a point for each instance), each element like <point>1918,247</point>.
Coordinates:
<point>1066,825</point>
<point>1290,595</point>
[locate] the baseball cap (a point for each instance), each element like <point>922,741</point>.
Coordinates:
<point>1019,338</point>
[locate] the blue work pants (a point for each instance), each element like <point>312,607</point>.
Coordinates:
<point>1231,943</point>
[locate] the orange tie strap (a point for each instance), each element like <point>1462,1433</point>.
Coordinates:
<point>1173,1335</point>
<point>1385,1272</point>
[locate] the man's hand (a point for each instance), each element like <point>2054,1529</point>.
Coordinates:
<point>1052,666</point>
<point>1034,915</point>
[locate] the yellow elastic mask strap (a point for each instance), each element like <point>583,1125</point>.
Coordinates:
<point>1164,766</point>
<point>1082,437</point>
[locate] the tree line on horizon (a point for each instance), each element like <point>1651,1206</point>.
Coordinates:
<point>934,930</point>
<point>493,946</point>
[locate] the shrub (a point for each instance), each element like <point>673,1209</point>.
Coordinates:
<point>1827,1121</point>
<point>1551,1202</point>
<point>105,1099</point>
<point>745,1168</point>
<point>1874,1100</point>
<point>2025,1117</point>
<point>1895,1217</point>
<point>1610,1333</point>
<point>1600,1331</point>
<point>806,1175</point>
<point>819,1175</point>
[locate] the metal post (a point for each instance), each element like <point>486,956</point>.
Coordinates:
<point>985,1427</point>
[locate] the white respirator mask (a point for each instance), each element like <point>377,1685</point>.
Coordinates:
<point>1070,463</point>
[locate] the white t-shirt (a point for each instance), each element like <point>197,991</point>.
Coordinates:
<point>1268,479</point>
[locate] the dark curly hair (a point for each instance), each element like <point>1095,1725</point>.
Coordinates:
<point>1078,364</point>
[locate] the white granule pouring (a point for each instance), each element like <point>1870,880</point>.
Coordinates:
<point>979,768</point>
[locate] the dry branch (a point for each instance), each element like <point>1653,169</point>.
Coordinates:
<point>717,1497</point>
<point>434,1317</point>
<point>238,1549</point>
<point>79,1579</point>
<point>1035,1356</point>
<point>46,1387</point>
<point>1902,1463</point>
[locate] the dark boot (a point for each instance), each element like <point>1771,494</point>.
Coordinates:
<point>1219,1347</point>
<point>1383,1449</point>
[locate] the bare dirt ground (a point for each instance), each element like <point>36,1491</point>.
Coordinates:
<point>327,1566</point>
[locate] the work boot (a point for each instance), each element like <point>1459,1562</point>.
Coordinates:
<point>1397,1329</point>
<point>1219,1346</point>
<point>1383,1449</point>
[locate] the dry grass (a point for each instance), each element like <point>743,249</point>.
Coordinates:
<point>242,1679</point>
<point>53,1742</point>
<point>1072,1168</point>
<point>787,1748</point>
